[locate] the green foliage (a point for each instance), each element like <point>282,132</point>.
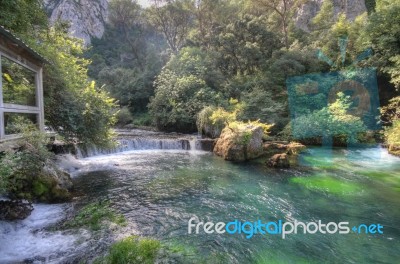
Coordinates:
<point>124,116</point>
<point>132,250</point>
<point>384,37</point>
<point>211,120</point>
<point>128,57</point>
<point>392,133</point>
<point>94,215</point>
<point>182,90</point>
<point>22,16</point>
<point>22,171</point>
<point>18,83</point>
<point>245,45</point>
<point>173,20</point>
<point>329,122</point>
<point>74,107</point>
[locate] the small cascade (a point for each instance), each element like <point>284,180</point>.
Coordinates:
<point>192,144</point>
<point>140,143</point>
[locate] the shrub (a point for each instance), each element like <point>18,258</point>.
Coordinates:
<point>392,133</point>
<point>29,172</point>
<point>124,116</point>
<point>211,120</point>
<point>330,122</point>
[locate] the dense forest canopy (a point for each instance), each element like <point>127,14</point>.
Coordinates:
<point>165,63</point>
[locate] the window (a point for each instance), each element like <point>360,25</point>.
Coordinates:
<point>15,122</point>
<point>19,83</point>
<point>21,100</point>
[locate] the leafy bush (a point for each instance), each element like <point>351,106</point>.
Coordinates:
<point>211,121</point>
<point>74,106</point>
<point>329,122</point>
<point>124,116</point>
<point>392,133</point>
<point>182,91</point>
<point>21,171</point>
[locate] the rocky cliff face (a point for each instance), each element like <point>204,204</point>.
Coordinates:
<point>352,9</point>
<point>87,17</point>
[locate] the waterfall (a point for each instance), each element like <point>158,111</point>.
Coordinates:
<point>140,143</point>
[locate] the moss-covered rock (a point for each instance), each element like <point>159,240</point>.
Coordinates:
<point>241,143</point>
<point>49,186</point>
<point>282,154</point>
<point>279,161</point>
<point>394,149</point>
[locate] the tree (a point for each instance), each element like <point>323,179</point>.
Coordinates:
<point>23,16</point>
<point>125,15</point>
<point>245,45</point>
<point>182,90</point>
<point>284,9</point>
<point>75,107</point>
<point>173,18</point>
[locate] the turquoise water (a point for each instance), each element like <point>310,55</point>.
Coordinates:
<point>159,191</point>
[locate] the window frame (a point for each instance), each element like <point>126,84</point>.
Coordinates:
<point>16,108</point>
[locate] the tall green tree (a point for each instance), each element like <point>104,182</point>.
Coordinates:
<point>174,19</point>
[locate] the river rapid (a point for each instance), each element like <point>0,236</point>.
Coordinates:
<point>159,190</point>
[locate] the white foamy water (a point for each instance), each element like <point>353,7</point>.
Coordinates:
<point>27,239</point>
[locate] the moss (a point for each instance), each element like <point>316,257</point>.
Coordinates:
<point>39,188</point>
<point>327,184</point>
<point>94,215</point>
<point>132,250</point>
<point>319,163</point>
<point>389,178</point>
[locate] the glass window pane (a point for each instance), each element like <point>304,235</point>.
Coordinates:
<point>14,123</point>
<point>19,86</point>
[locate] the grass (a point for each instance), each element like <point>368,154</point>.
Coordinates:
<point>132,250</point>
<point>327,184</point>
<point>94,215</point>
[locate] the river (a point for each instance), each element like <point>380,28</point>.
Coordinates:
<point>158,191</point>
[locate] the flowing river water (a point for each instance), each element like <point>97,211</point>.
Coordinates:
<point>159,190</point>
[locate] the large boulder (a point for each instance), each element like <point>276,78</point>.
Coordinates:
<point>39,181</point>
<point>240,144</point>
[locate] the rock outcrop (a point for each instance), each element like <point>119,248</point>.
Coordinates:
<point>394,150</point>
<point>86,17</point>
<point>305,14</point>
<point>282,154</point>
<point>15,210</point>
<point>240,144</point>
<point>279,161</point>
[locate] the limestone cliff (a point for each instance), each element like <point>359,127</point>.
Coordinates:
<point>87,17</point>
<point>305,14</point>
